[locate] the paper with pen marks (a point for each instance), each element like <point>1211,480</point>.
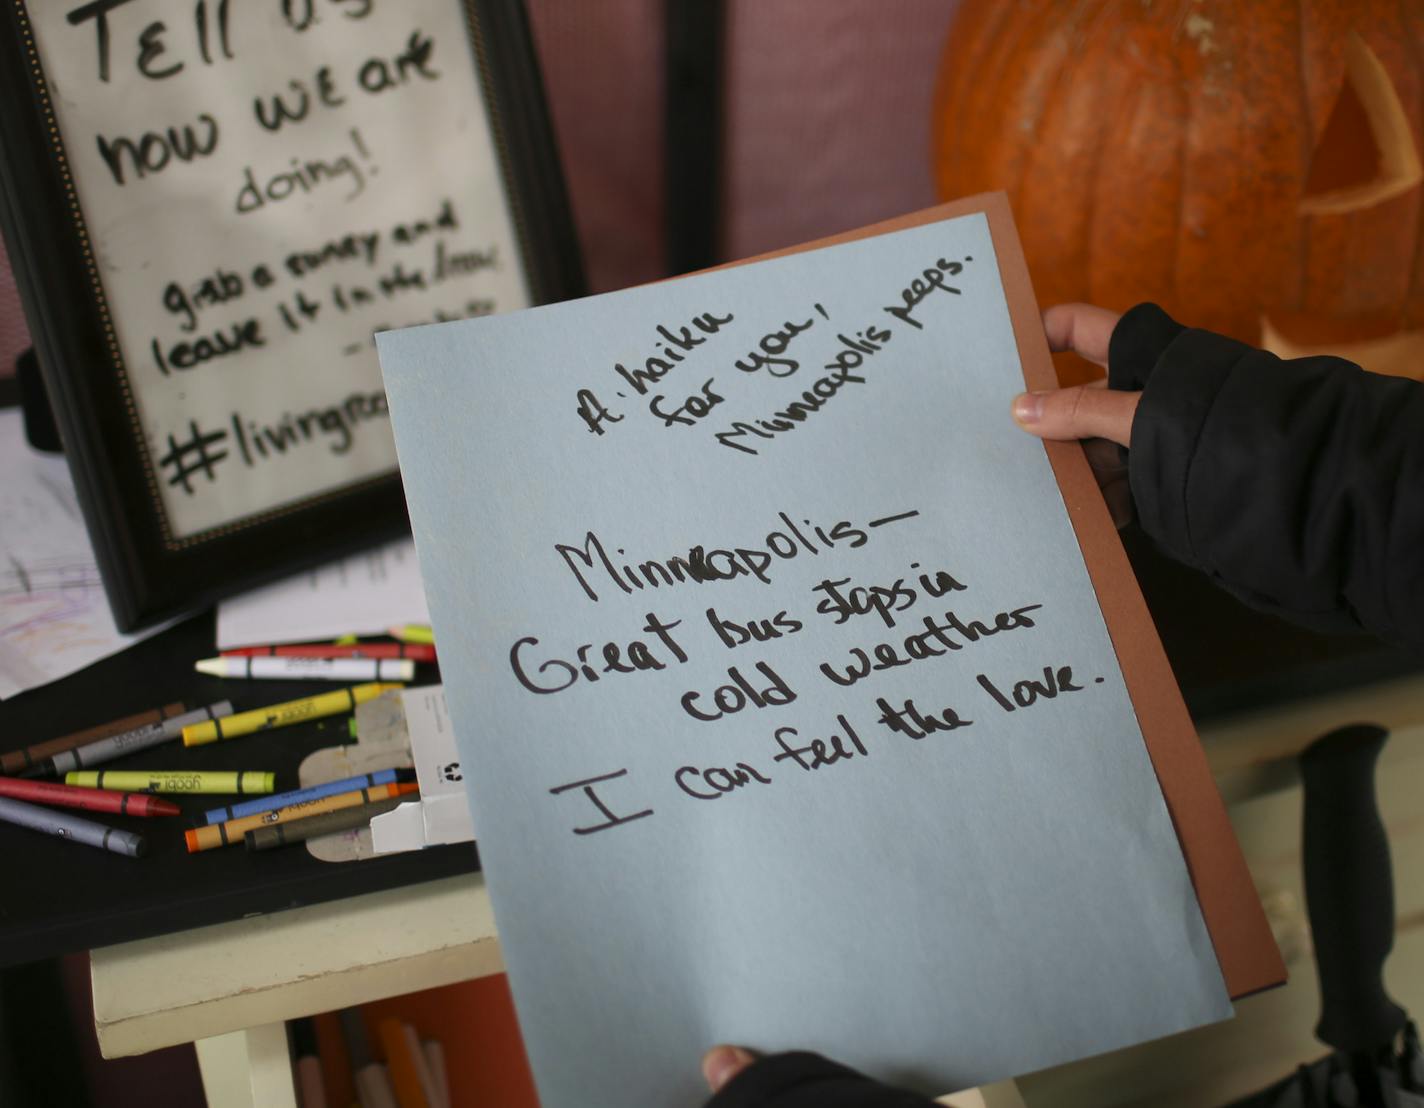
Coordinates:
<point>788,712</point>
<point>54,619</point>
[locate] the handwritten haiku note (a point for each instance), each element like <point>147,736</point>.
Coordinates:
<point>266,184</point>
<point>788,712</point>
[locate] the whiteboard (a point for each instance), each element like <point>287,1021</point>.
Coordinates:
<point>265,185</point>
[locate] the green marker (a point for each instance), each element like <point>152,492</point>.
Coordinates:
<point>175,781</point>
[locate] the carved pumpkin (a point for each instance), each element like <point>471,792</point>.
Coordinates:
<point>1253,167</point>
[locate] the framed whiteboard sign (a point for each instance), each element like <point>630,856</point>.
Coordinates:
<point>211,207</point>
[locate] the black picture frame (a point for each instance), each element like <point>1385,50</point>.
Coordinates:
<point>150,572</point>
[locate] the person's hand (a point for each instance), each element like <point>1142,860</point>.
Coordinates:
<point>1093,412</point>
<point>724,1062</point>
<point>741,1078</point>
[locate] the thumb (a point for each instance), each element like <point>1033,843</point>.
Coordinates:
<point>1081,412</point>
<point>722,1063</point>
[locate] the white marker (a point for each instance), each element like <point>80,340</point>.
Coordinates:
<point>311,669</point>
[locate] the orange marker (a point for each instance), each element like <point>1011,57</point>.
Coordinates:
<point>404,1066</point>
<point>232,831</point>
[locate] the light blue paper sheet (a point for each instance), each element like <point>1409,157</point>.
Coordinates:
<point>940,907</point>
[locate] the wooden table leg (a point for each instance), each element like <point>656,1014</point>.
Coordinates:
<point>248,1069</point>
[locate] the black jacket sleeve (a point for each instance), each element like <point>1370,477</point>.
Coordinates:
<point>800,1079</point>
<point>1297,485</point>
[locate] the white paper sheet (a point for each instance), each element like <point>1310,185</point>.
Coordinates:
<point>365,594</point>
<point>54,618</point>
<point>859,771</point>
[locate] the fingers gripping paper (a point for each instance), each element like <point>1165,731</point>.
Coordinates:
<point>790,714</point>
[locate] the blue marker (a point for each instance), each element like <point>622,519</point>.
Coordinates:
<point>315,792</point>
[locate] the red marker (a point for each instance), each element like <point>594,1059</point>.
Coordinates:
<point>415,651</point>
<point>93,800</point>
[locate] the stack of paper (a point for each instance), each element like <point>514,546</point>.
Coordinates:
<point>54,618</point>
<point>365,594</point>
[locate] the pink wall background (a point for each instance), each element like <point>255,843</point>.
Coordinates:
<point>602,67</point>
<point>826,116</point>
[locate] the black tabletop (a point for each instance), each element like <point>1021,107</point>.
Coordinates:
<point>60,896</point>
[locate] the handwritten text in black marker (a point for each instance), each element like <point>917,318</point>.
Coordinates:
<point>935,641</point>
<point>202,449</point>
<point>131,158</point>
<point>591,410</point>
<point>261,187</point>
<point>690,409</point>
<point>817,753</point>
<point>592,563</point>
<point>335,425</point>
<point>212,289</point>
<point>1030,690</point>
<point>931,280</point>
<point>793,415</point>
<point>156,55</point>
<point>843,602</point>
<point>916,722</point>
<point>672,345</point>
<point>715,782</point>
<point>840,370</point>
<point>538,672</point>
<point>739,693</point>
<point>610,818</point>
<point>245,334</point>
<point>771,349</point>
<point>759,630</point>
<point>892,519</point>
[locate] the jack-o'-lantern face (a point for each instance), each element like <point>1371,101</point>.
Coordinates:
<point>1367,156</point>
<point>1255,168</point>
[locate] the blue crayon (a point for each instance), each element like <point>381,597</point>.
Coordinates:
<point>297,796</point>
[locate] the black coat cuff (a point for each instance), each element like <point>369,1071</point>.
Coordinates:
<point>1292,484</point>
<point>1138,340</point>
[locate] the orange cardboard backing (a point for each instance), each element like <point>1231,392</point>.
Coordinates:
<point>1245,949</point>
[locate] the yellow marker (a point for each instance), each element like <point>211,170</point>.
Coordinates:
<point>284,715</point>
<point>173,781</point>
<point>413,632</point>
<point>231,832</point>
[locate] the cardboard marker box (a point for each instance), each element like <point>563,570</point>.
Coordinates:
<point>443,813</point>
